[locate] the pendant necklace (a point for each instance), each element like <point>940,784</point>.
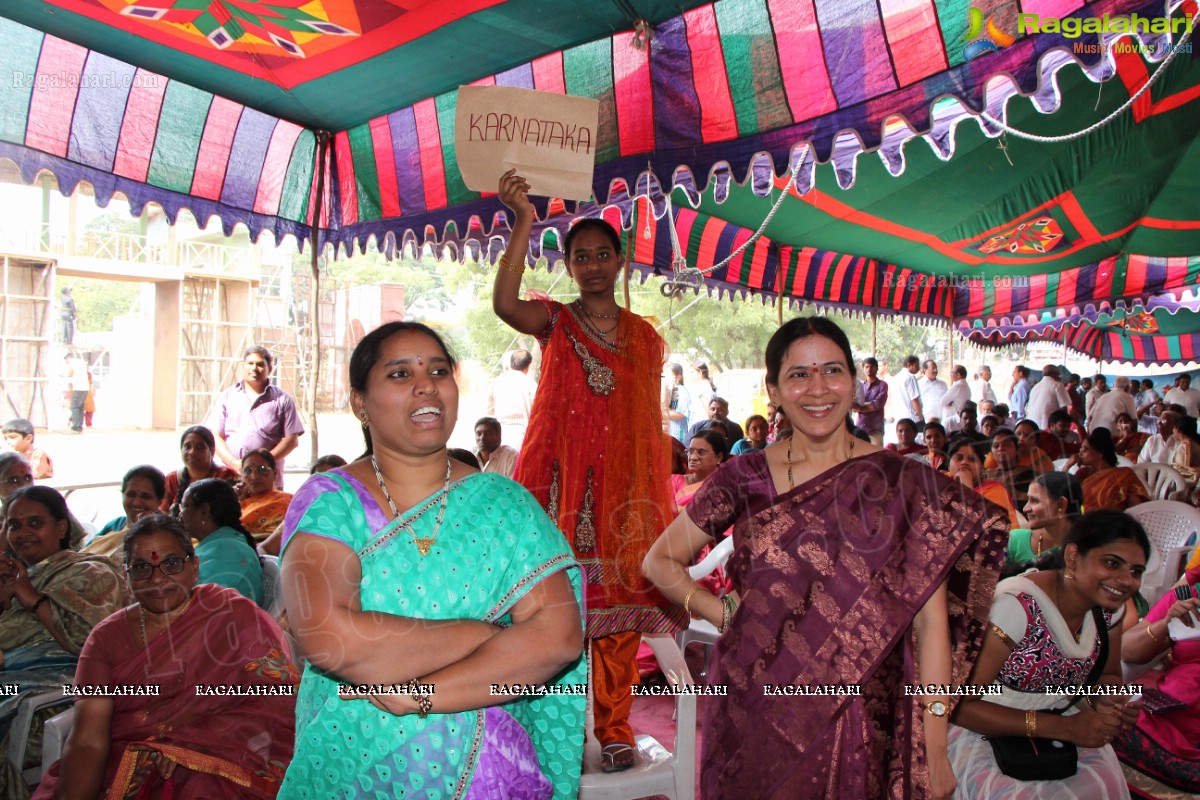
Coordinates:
<point>792,483</point>
<point>587,318</point>
<point>423,543</point>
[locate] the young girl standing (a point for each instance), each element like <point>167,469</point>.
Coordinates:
<point>594,454</point>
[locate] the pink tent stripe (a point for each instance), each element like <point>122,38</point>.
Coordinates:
<point>912,32</point>
<point>430,143</point>
<point>548,74</point>
<point>275,165</point>
<point>802,58</point>
<point>385,167</point>
<point>347,182</point>
<point>140,126</point>
<point>635,101</point>
<point>718,121</point>
<point>215,144</point>
<point>52,105</point>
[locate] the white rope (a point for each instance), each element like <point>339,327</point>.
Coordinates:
<point>679,261</point>
<point>1176,49</point>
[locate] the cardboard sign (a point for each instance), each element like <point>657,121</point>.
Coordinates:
<point>549,138</point>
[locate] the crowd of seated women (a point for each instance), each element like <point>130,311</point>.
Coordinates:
<point>166,594</point>
<point>144,601</point>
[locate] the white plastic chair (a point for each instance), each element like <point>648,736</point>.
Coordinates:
<point>1169,524</point>
<point>18,733</point>
<point>701,630</point>
<point>1162,480</point>
<point>54,737</point>
<point>272,601</point>
<point>656,771</point>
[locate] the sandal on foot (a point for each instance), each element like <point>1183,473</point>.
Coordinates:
<point>616,757</point>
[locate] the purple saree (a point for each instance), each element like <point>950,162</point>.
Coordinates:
<point>832,574</point>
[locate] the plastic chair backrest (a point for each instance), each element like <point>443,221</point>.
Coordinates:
<point>1169,524</point>
<point>1161,480</point>
<point>715,558</point>
<point>272,598</point>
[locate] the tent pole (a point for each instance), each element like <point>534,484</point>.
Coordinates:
<point>779,294</point>
<point>874,340</point>
<point>314,297</point>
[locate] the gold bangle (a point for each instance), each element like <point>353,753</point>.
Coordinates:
<point>1031,723</point>
<point>688,600</point>
<point>1150,633</point>
<point>508,266</point>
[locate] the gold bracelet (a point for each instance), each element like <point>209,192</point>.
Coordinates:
<point>507,266</point>
<point>1150,633</point>
<point>688,599</point>
<point>1031,723</point>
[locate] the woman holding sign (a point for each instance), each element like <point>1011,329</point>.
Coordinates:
<point>594,454</point>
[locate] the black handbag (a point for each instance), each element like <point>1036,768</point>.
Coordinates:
<point>1034,758</point>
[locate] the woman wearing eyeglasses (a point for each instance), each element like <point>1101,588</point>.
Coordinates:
<point>15,472</point>
<point>222,722</point>
<point>211,514</point>
<point>52,597</point>
<point>263,506</point>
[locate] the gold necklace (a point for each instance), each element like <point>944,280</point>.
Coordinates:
<point>590,313</point>
<point>423,543</point>
<point>586,318</point>
<point>792,483</point>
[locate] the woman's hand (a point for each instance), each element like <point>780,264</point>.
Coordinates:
<point>1183,610</point>
<point>14,583</point>
<point>941,777</point>
<point>514,193</point>
<point>1091,728</point>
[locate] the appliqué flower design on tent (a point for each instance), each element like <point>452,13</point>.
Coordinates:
<point>1139,322</point>
<point>1040,235</point>
<point>282,23</point>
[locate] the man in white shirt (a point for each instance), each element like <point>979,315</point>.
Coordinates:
<point>493,456</point>
<point>1146,400</point>
<point>1110,406</point>
<point>910,392</point>
<point>511,398</point>
<point>932,391</point>
<point>955,398</point>
<point>1160,448</point>
<point>1098,390</point>
<point>1184,395</point>
<point>982,390</point>
<point>1046,397</point>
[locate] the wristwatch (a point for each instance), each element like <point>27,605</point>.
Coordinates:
<point>937,708</point>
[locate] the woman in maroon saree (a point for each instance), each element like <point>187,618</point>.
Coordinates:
<point>849,560</point>
<point>222,723</point>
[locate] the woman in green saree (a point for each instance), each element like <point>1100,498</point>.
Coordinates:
<point>406,566</point>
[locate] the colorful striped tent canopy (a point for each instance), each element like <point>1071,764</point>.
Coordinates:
<point>1164,331</point>
<point>261,113</point>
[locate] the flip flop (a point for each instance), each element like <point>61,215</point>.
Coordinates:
<point>609,761</point>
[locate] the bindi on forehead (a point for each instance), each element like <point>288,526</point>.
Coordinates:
<point>153,556</point>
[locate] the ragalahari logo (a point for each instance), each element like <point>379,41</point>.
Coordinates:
<point>983,36</point>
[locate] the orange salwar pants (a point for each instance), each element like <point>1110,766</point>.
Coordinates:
<point>614,671</point>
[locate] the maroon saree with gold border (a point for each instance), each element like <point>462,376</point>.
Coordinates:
<point>832,574</point>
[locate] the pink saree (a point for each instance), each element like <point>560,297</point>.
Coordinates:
<point>832,574</point>
<point>231,741</point>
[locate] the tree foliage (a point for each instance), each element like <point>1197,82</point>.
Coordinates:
<point>726,333</point>
<point>97,302</point>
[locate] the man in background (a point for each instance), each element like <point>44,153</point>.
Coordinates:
<point>870,400</point>
<point>511,398</point>
<point>492,454</point>
<point>253,413</point>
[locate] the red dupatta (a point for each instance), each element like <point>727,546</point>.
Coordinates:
<point>594,456</point>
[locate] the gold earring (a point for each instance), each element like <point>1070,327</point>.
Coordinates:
<point>364,421</point>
